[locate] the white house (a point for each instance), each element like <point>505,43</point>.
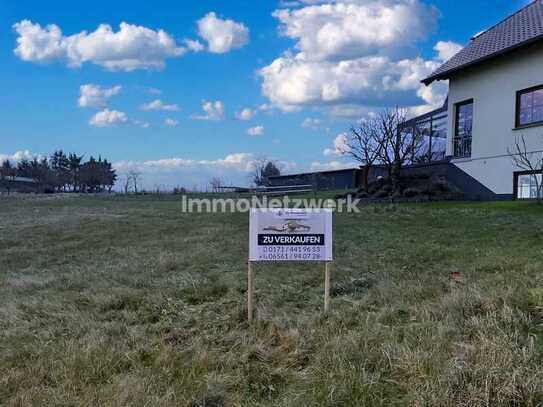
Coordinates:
<point>495,97</point>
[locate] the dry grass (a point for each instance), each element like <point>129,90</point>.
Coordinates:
<point>115,301</point>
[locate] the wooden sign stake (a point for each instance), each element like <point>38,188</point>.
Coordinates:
<point>327,281</point>
<point>249,291</point>
<point>290,234</point>
<point>326,287</point>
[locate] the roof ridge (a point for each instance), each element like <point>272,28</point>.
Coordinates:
<point>521,28</point>
<point>505,19</point>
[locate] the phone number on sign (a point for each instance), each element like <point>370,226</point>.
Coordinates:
<point>290,249</point>
<point>290,253</point>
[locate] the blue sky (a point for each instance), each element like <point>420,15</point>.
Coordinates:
<point>305,70</point>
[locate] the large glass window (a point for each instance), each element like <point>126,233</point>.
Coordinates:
<point>423,131</point>
<point>527,185</point>
<point>530,107</point>
<point>463,129</point>
<point>431,131</point>
<point>439,138</point>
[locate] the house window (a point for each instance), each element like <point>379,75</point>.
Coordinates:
<point>527,185</point>
<point>463,129</point>
<point>530,106</point>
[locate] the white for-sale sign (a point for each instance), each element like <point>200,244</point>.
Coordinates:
<point>290,235</point>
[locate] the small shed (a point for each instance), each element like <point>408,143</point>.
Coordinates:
<point>22,184</point>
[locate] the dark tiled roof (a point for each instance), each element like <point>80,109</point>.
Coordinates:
<point>522,28</point>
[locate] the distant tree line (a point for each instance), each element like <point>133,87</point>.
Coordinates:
<point>63,173</point>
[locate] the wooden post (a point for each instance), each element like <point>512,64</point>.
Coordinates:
<point>249,292</point>
<point>326,287</point>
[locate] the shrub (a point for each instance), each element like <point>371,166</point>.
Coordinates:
<point>382,193</point>
<point>439,187</point>
<point>411,192</point>
<point>363,195</point>
<point>373,188</point>
<point>378,184</point>
<point>344,196</point>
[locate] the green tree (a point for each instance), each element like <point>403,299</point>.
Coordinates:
<point>74,165</point>
<point>7,170</point>
<point>97,175</point>
<point>60,167</point>
<point>263,170</point>
<point>24,168</point>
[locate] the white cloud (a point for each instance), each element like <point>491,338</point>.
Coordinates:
<point>291,82</point>
<point>266,107</point>
<point>256,131</point>
<point>212,110</point>
<point>447,49</point>
<point>340,146</point>
<point>131,47</point>
<point>246,114</point>
<point>240,161</point>
<point>159,105</point>
<point>353,57</point>
<point>95,96</point>
<point>194,45</point>
<point>233,161</point>
<point>222,35</point>
<point>289,3</point>
<point>352,29</point>
<point>154,91</point>
<point>349,111</point>
<point>108,118</point>
<point>18,156</point>
<point>234,169</point>
<point>330,166</point>
<point>311,123</point>
<point>171,122</point>
<point>142,124</point>
<point>298,3</point>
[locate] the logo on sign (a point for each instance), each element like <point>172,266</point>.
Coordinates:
<point>291,226</point>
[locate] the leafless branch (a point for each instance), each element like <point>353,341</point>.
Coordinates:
<point>528,161</point>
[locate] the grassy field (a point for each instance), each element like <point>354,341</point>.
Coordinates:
<point>129,302</point>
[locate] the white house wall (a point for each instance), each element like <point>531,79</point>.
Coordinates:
<point>493,87</point>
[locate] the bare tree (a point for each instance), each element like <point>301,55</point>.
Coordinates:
<point>135,178</point>
<point>380,139</point>
<point>396,147</point>
<point>258,169</point>
<point>363,144</point>
<point>215,183</point>
<point>127,183</point>
<point>158,189</point>
<point>528,161</point>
